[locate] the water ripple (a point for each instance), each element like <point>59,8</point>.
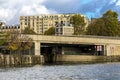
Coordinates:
<point>109,71</point>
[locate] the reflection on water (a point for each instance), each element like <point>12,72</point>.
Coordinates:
<point>109,71</point>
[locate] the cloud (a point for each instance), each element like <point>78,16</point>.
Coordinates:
<point>91,8</point>
<point>11,10</point>
<point>63,6</point>
<point>98,7</point>
<point>7,14</point>
<point>118,3</point>
<point>35,9</point>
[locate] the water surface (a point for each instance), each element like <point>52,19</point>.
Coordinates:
<point>108,71</point>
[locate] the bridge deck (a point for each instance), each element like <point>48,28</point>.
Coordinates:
<point>85,39</point>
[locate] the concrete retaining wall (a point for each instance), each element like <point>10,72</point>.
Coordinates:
<point>85,58</point>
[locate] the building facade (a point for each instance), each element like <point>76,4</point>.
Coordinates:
<point>64,30</point>
<point>10,28</point>
<point>2,24</point>
<point>41,23</point>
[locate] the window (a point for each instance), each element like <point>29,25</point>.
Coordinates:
<point>37,17</point>
<point>56,30</point>
<point>21,23</point>
<point>56,24</point>
<point>25,23</point>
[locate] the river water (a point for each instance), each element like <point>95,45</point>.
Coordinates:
<point>106,71</point>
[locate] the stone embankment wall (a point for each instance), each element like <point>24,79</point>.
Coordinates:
<point>20,60</point>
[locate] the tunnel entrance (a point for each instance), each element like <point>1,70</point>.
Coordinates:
<point>83,50</point>
<point>49,50</point>
<point>46,51</point>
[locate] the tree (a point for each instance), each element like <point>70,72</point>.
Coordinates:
<point>107,25</point>
<point>28,31</point>
<point>78,22</point>
<point>119,27</point>
<point>111,23</point>
<point>18,42</point>
<point>50,31</point>
<point>3,38</point>
<point>96,28</point>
